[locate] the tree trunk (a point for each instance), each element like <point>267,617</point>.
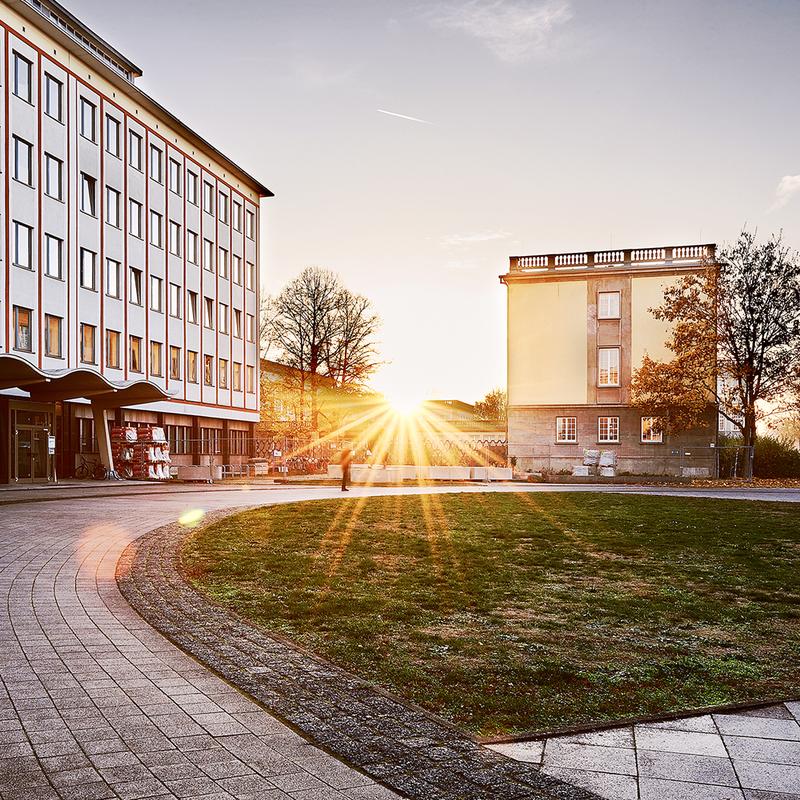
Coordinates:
<point>749,440</point>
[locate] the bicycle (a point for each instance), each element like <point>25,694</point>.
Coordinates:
<point>90,469</point>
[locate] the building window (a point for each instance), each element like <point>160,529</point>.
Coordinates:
<point>651,433</point>
<point>174,238</point>
<point>608,366</point>
<point>88,335</point>
<point>251,328</point>
<point>222,266</point>
<point>191,366</point>
<point>88,112</point>
<point>112,206</point>
<point>135,148</point>
<point>112,278</point>
<point>174,176</point>
<point>112,349</point>
<point>208,197</point>
<point>52,336</point>
<point>135,286</point>
<point>208,317</point>
<point>179,438</point>
<point>135,213</point>
<point>237,323</point>
<point>250,219</point>
<point>23,245</point>
<point>23,161</point>
<point>191,188</point>
<point>23,329</point>
<point>191,247</point>
<point>155,293</point>
<point>155,228</point>
<point>237,216</point>
<point>54,255</point>
<point>608,305</point>
<point>87,266</point>
<point>223,207</point>
<point>237,443</point>
<point>566,429</point>
<point>174,300</point>
<point>608,429</point>
<point>175,363</point>
<point>210,441</point>
<point>136,353</point>
<point>222,318</point>
<point>53,97</point>
<point>54,177</point>
<point>223,373</point>
<point>155,163</point>
<point>88,194</point>
<point>237,269</point>
<point>208,370</point>
<point>112,135</point>
<point>155,359</point>
<point>251,275</point>
<point>251,380</point>
<point>191,307</point>
<point>237,376</point>
<point>23,70</point>
<point>208,255</point>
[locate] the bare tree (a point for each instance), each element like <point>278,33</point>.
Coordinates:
<point>736,340</point>
<point>493,407</point>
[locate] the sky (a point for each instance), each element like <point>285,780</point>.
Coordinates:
<point>516,127</point>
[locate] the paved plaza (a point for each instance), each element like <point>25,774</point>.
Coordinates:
<point>94,703</point>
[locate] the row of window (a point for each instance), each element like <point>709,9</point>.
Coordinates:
<point>607,430</point>
<point>54,107</point>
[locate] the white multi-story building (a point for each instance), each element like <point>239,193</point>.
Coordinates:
<point>129,272</point>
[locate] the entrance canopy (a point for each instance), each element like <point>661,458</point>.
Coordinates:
<point>45,386</point>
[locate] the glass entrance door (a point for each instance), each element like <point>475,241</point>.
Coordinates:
<point>31,455</point>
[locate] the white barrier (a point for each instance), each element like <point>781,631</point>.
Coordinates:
<point>396,473</point>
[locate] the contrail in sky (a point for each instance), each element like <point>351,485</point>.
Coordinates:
<point>404,116</point>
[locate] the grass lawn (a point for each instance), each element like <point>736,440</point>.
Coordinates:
<point>514,612</point>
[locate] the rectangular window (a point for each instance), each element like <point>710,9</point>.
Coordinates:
<point>651,433</point>
<point>237,323</point>
<point>250,219</point>
<point>23,245</point>
<point>191,188</point>
<point>222,318</point>
<point>208,197</point>
<point>191,307</point>
<point>54,256</point>
<point>23,161</point>
<point>175,363</point>
<point>222,265</point>
<point>135,148</point>
<point>155,228</point>
<point>88,336</point>
<point>88,112</point>
<point>251,328</point>
<point>208,255</point>
<point>54,176</point>
<point>136,353</point>
<point>88,194</point>
<point>174,176</point>
<point>191,366</point>
<point>251,380</point>
<point>135,286</point>
<point>180,439</point>
<point>112,349</point>
<point>566,429</point>
<point>191,247</point>
<point>155,293</point>
<point>135,214</point>
<point>251,275</point>
<point>87,268</point>
<point>23,71</point>
<point>156,367</point>
<point>223,207</point>
<point>155,163</point>
<point>23,329</point>
<point>237,376</point>
<point>112,135</point>
<point>52,336</point>
<point>208,370</point>
<point>53,97</point>
<point>208,318</point>
<point>608,366</point>
<point>237,216</point>
<point>174,300</point>
<point>237,269</point>
<point>174,238</point>
<point>112,278</point>
<point>608,305</point>
<point>608,429</point>
<point>210,441</point>
<point>112,206</point>
<point>223,373</point>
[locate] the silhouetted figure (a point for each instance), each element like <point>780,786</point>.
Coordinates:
<point>346,460</point>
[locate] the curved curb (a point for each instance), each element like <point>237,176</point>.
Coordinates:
<point>399,745</point>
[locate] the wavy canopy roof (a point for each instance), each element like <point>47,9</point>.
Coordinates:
<point>68,384</point>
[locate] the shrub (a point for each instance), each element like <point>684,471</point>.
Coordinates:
<point>776,457</point>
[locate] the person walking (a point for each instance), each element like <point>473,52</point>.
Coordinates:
<point>346,460</point>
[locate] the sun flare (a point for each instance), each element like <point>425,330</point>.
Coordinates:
<point>405,405</point>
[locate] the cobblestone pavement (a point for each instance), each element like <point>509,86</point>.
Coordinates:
<point>746,755</point>
<point>95,704</point>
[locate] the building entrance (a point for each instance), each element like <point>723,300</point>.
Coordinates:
<point>32,462</point>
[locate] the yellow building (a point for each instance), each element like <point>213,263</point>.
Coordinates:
<point>579,324</point>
